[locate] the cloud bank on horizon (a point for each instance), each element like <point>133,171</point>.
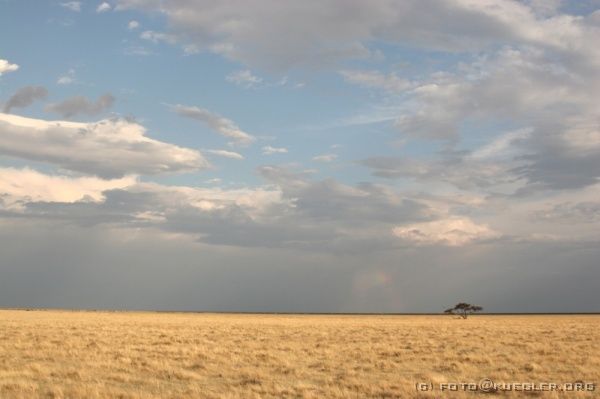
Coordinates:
<point>442,144</point>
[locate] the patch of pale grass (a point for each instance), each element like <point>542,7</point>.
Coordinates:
<point>61,354</point>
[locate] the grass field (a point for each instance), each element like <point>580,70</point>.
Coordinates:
<point>63,354</point>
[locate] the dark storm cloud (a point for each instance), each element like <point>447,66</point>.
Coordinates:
<point>95,268</point>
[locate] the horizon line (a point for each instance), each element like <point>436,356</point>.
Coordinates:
<point>294,313</point>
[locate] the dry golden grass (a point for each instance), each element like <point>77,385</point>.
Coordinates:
<point>62,354</point>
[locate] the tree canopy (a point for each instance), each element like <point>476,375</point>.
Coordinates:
<point>463,309</point>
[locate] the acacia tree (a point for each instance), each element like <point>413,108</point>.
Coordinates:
<point>463,309</point>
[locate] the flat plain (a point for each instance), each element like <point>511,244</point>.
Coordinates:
<point>89,354</point>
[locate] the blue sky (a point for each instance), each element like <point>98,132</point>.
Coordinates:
<point>351,151</point>
<point>307,111</point>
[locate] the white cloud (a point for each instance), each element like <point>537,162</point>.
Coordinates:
<point>220,124</point>
<point>31,186</point>
<point>244,78</point>
<point>6,66</point>
<point>67,78</point>
<point>292,211</point>
<point>342,29</point>
<point>376,80</point>
<point>454,232</point>
<point>268,150</point>
<point>133,24</point>
<point>72,5</point>
<point>190,49</point>
<point>64,80</point>
<point>103,7</point>
<point>527,85</point>
<point>108,148</point>
<point>545,7</point>
<point>550,101</point>
<point>138,51</point>
<point>226,154</point>
<point>157,37</point>
<point>501,146</point>
<point>27,185</point>
<point>129,202</point>
<point>515,105</point>
<point>582,134</point>
<point>289,212</point>
<point>325,158</point>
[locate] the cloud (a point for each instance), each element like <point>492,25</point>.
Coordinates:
<point>244,78</point>
<point>6,66</point>
<point>133,25</point>
<point>103,7</point>
<point>551,102</point>
<point>452,232</point>
<point>19,186</point>
<point>226,154</point>
<point>72,5</point>
<point>350,209</point>
<point>222,217</point>
<point>545,7</point>
<point>290,212</point>
<point>527,86</point>
<point>325,158</point>
<point>491,167</point>
<point>527,65</point>
<point>455,168</point>
<point>336,226</point>
<point>219,124</point>
<point>107,148</point>
<point>138,51</point>
<point>107,267</point>
<point>569,212</point>
<point>244,30</point>
<point>551,167</point>
<point>157,37</point>
<point>24,97</point>
<point>501,146</point>
<point>67,78</point>
<point>268,150</point>
<point>190,49</point>
<point>81,105</point>
<point>498,114</point>
<point>376,80</point>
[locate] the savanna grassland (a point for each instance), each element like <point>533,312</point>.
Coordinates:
<point>64,354</point>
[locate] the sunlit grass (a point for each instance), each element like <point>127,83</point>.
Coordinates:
<point>173,355</point>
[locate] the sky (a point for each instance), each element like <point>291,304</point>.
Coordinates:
<point>286,156</point>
